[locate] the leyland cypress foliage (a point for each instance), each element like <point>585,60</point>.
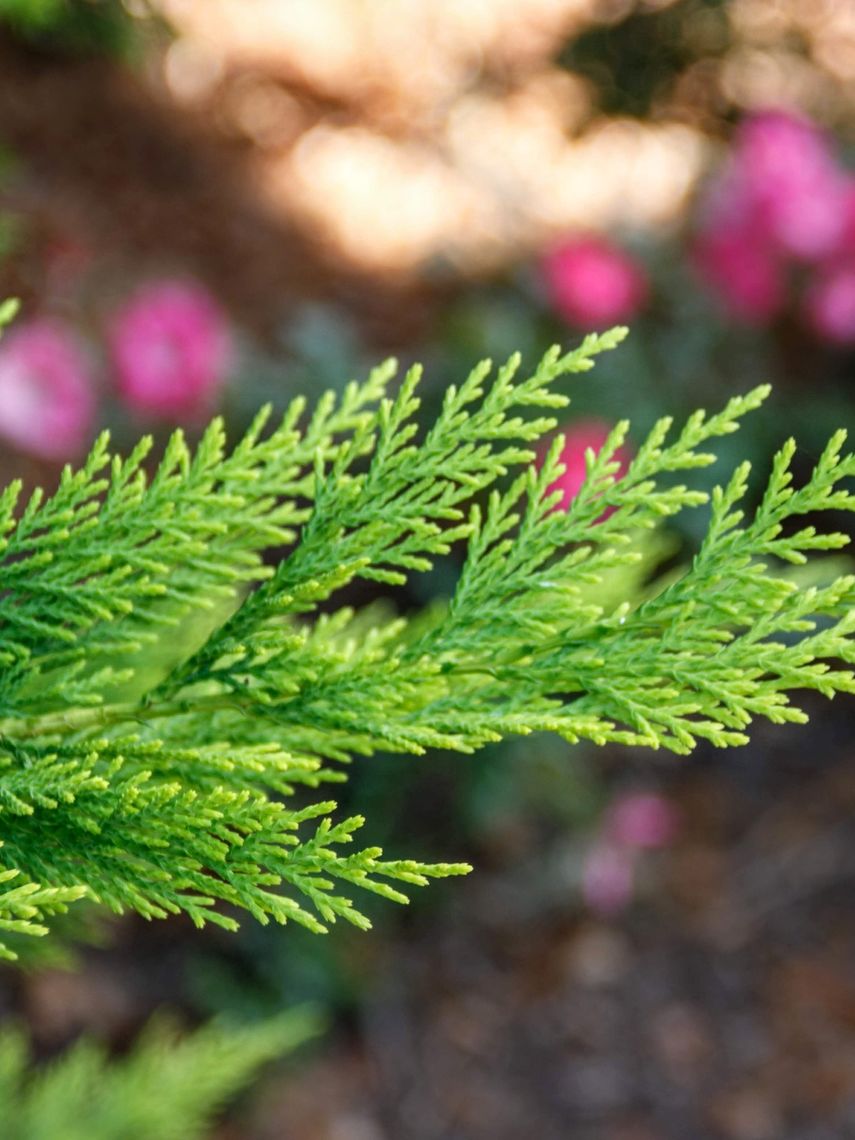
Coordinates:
<point>167,1088</point>
<point>177,684</point>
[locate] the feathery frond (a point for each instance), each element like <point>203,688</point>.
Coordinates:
<point>169,787</point>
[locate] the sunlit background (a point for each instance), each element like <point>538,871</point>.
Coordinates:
<point>502,127</point>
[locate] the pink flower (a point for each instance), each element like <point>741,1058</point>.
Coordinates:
<point>792,182</point>
<point>608,876</point>
<point>734,254</point>
<point>172,348</point>
<point>782,196</point>
<point>829,304</point>
<point>641,820</point>
<point>592,284</point>
<point>47,401</point>
<point>633,823</point>
<point>847,244</point>
<point>578,438</point>
<point>744,272</point>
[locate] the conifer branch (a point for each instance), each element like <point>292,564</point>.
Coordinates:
<point>165,691</point>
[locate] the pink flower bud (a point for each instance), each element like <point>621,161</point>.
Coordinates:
<point>578,438</point>
<point>172,349</point>
<point>593,284</point>
<point>47,401</point>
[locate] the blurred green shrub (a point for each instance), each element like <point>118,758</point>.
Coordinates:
<point>104,27</point>
<point>167,1088</point>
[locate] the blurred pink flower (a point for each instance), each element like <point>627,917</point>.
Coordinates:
<point>641,820</point>
<point>593,284</point>
<point>829,304</point>
<point>608,876</point>
<point>172,348</point>
<point>746,275</point>
<point>47,401</point>
<point>578,438</point>
<point>847,245</point>
<point>782,196</point>
<point>792,182</point>
<point>633,823</point>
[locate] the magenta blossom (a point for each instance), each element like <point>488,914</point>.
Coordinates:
<point>830,304</point>
<point>847,244</point>
<point>745,273</point>
<point>829,300</point>
<point>792,183</point>
<point>47,401</point>
<point>578,438</point>
<point>641,820</point>
<point>733,255</point>
<point>782,197</point>
<point>633,823</point>
<point>172,349</point>
<point>593,284</point>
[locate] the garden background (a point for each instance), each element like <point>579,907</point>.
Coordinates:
<point>209,204</point>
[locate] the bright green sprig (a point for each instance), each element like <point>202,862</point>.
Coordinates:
<point>25,906</point>
<point>407,508</point>
<point>113,554</point>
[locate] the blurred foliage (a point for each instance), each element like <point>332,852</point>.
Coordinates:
<point>634,62</point>
<point>103,27</point>
<point>167,1088</point>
